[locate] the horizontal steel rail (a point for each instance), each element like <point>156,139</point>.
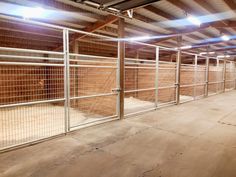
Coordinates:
<point>31,103</point>
<point>140,90</point>
<point>92,96</point>
<point>92,56</point>
<point>30,50</point>
<point>29,64</point>
<point>30,57</point>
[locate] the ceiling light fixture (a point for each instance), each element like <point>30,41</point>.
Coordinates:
<point>33,12</point>
<point>225,38</point>
<point>194,20</point>
<point>186,47</point>
<point>142,38</point>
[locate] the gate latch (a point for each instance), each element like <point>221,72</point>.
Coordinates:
<point>116,90</point>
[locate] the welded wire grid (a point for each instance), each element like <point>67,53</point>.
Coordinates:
<point>139,85</point>
<point>93,80</point>
<point>166,82</point>
<point>230,75</point>
<point>200,78</point>
<point>31,97</point>
<point>216,77</point>
<point>187,82</point>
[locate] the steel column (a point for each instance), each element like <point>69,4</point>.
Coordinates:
<point>66,79</point>
<point>207,77</point>
<point>121,68</point>
<point>195,76</point>
<point>156,77</point>
<point>224,75</point>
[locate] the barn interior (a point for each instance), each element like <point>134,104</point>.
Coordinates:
<point>117,88</point>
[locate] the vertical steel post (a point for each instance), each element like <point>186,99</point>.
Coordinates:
<point>224,75</point>
<point>195,76</point>
<point>178,77</point>
<point>235,75</point>
<point>66,79</point>
<point>157,76</point>
<point>178,62</point>
<point>121,60</point>
<point>207,77</point>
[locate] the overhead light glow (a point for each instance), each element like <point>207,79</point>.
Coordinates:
<point>223,56</point>
<point>194,20</point>
<point>139,38</point>
<point>186,47</point>
<point>33,13</point>
<point>204,53</point>
<point>225,38</point>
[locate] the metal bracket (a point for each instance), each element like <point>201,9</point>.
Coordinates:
<point>116,90</point>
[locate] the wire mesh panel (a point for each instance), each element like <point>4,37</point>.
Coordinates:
<point>187,77</point>
<point>229,75</point>
<point>216,76</point>
<point>167,69</point>
<point>200,77</point>
<point>31,83</point>
<point>140,78</point>
<point>31,99</point>
<point>93,79</point>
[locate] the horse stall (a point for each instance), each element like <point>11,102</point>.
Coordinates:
<point>56,84</point>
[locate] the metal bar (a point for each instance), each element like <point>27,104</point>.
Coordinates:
<point>132,67</point>
<point>92,96</point>
<point>92,61</point>
<point>29,64</point>
<point>224,75</point>
<point>66,78</point>
<point>207,77</point>
<point>216,82</point>
<point>157,77</point>
<point>121,56</point>
<point>30,51</point>
<point>31,103</point>
<point>167,87</point>
<point>30,57</point>
<point>140,90</point>
<point>93,66</point>
<point>133,59</point>
<point>92,56</point>
<point>195,76</point>
<point>178,60</point>
<point>148,64</point>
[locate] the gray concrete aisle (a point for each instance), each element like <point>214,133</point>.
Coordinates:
<point>195,139</point>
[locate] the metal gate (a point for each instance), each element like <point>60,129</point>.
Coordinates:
<point>48,91</point>
<point>216,76</point>
<point>187,76</point>
<point>229,75</point>
<point>167,77</point>
<point>93,80</point>
<point>140,78</point>
<point>29,110</point>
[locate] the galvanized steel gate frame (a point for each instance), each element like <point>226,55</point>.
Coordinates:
<point>65,63</point>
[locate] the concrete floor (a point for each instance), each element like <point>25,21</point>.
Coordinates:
<point>195,139</point>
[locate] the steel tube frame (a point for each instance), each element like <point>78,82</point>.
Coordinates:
<point>156,77</point>
<point>65,54</point>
